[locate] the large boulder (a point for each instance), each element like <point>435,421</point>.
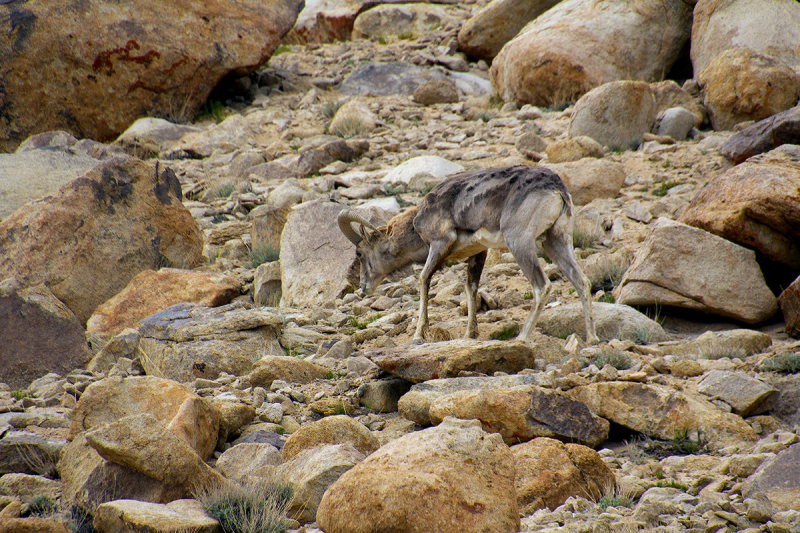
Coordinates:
<point>616,114</point>
<point>152,291</point>
<point>338,429</point>
<point>663,413</point>
<point>549,472</point>
<point>612,321</point>
<point>682,266</point>
<point>132,515</point>
<point>447,359</point>
<point>190,340</point>
<point>763,136</point>
<point>740,85</point>
<point>755,204</point>
<point>778,479</point>
<point>91,238</point>
<point>409,20</point>
<point>318,263</point>
<point>747,395</point>
<point>588,179</point>
<point>325,21</point>
<point>38,333</point>
<point>789,301</point>
<point>186,414</point>
<point>28,175</point>
<point>578,45</point>
<point>450,478</point>
<point>723,24</point>
<point>524,413</point>
<point>384,79</point>
<point>165,59</point>
<point>482,36</point>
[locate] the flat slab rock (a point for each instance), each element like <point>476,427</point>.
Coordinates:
<point>447,359</point>
<point>133,515</point>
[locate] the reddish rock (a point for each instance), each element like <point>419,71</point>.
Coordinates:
<point>111,63</point>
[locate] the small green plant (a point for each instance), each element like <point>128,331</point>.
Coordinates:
<point>607,298</point>
<point>381,40</point>
<point>224,189</point>
<point>785,363</point>
<point>617,359</point>
<point>20,394</point>
<point>213,109</point>
<point>282,49</point>
<point>673,484</point>
<point>665,186</point>
<point>527,295</point>
<point>508,332</point>
<point>263,252</point>
<point>405,35</point>
<point>290,351</point>
<point>356,323</point>
<point>348,127</point>
<point>614,499</point>
<point>42,506</point>
<point>641,336</point>
<point>340,409</point>
<point>683,443</point>
<point>251,508</point>
<point>330,107</point>
<point>280,430</point>
<point>330,375</point>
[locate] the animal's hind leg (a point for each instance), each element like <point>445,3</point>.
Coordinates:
<point>474,269</point>
<point>437,252</point>
<point>558,247</point>
<point>529,264</point>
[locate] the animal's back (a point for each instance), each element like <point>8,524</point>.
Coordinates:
<point>477,199</point>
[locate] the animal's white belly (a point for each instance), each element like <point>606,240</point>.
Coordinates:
<point>469,244</point>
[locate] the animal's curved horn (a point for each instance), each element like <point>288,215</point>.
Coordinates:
<point>346,217</point>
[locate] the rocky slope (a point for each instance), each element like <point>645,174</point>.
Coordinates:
<point>261,361</point>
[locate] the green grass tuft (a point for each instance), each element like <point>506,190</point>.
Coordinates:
<point>252,508</point>
<point>785,363</point>
<point>619,360</point>
<point>42,506</point>
<point>614,499</point>
<point>263,252</point>
<point>665,186</point>
<point>356,323</point>
<point>506,333</point>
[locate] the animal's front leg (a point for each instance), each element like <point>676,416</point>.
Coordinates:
<point>474,269</point>
<point>436,254</point>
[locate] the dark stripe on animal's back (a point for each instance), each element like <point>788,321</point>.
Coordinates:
<point>484,188</point>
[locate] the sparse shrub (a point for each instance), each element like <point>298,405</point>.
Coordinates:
<point>79,521</point>
<point>586,233</point>
<point>673,484</point>
<point>607,298</point>
<point>619,360</point>
<point>508,332</point>
<point>684,444</point>
<point>263,252</point>
<point>785,363</point>
<point>527,295</point>
<point>330,107</point>
<point>614,498</point>
<point>224,189</point>
<point>251,508</point>
<point>348,127</point>
<point>718,350</point>
<point>20,394</point>
<point>213,109</point>
<point>641,336</point>
<point>665,186</point>
<point>606,274</point>
<point>42,506</point>
<point>356,323</point>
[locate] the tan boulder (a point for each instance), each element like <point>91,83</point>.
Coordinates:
<point>325,21</point>
<point>268,223</point>
<point>576,46</point>
<point>549,472</point>
<point>38,333</point>
<point>662,412</point>
<point>446,359</point>
<point>150,292</point>
<point>669,94</point>
<point>720,25</point>
<point>740,85</point>
<point>406,20</point>
<point>286,368</point>
<point>122,516</point>
<point>318,263</point>
<point>450,478</point>
<point>615,114</point>
<point>91,238</point>
<point>483,35</point>
<point>789,301</point>
<point>573,149</point>
<point>233,416</point>
<point>240,461</point>
<point>590,178</point>
<point>185,414</point>
<point>339,429</point>
<point>612,321</point>
<point>164,60</point>
<point>754,204</point>
<point>33,524</point>
<point>191,340</point>
<point>353,119</point>
<point>524,413</point>
<point>714,344</point>
<point>311,472</point>
<point>682,266</point>
<point>763,136</point>
<point>151,135</point>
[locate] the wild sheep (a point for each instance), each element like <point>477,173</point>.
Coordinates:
<point>462,217</point>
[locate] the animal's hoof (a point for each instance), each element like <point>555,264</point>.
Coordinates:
<point>594,340</point>
<point>418,341</point>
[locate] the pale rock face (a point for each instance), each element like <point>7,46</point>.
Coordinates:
<point>589,178</point>
<point>450,478</point>
<point>576,46</point>
<point>339,429</point>
<point>166,59</point>
<point>686,267</point>
<point>720,25</point>
<point>411,20</point>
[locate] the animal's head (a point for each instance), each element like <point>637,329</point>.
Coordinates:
<point>373,249</point>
